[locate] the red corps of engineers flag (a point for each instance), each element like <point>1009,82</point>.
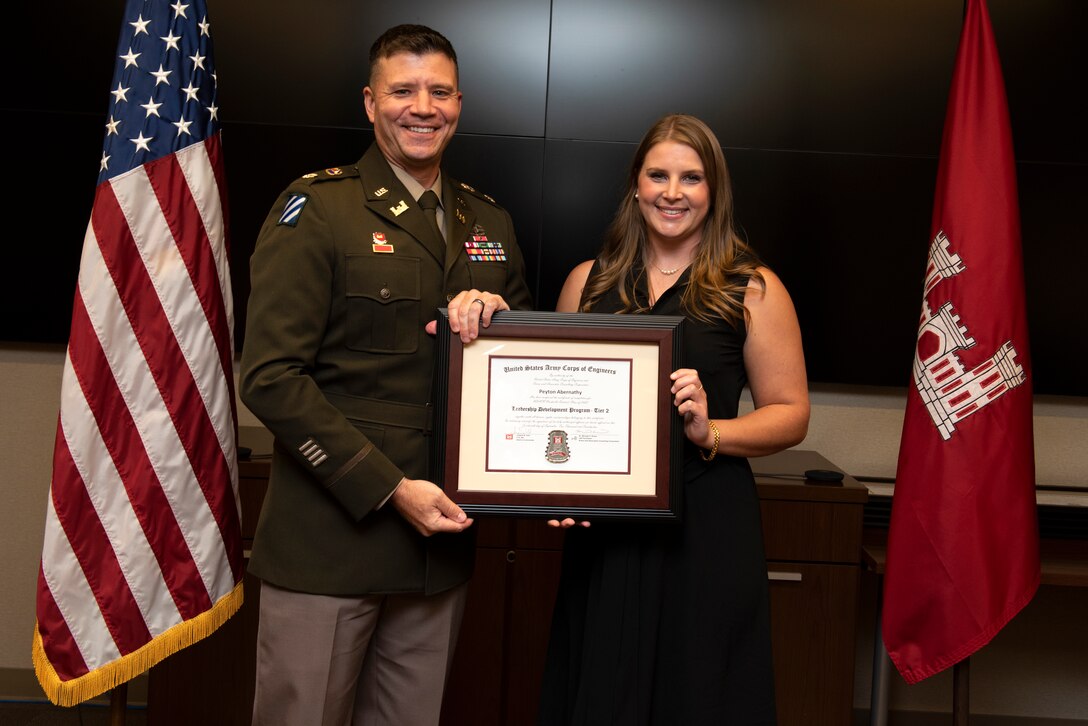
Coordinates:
<point>142,553</point>
<point>963,549</point>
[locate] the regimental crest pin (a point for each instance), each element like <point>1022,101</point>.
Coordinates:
<point>380,244</point>
<point>293,210</point>
<point>557,451</point>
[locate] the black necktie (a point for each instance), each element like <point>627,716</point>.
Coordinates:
<point>429,201</point>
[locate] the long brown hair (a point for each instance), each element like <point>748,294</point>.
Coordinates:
<point>723,263</point>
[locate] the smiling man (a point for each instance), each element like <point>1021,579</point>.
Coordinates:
<point>363,560</point>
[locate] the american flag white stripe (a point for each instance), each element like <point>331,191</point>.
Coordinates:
<point>114,510</point>
<point>176,293</point>
<point>200,176</point>
<point>69,589</point>
<point>150,414</point>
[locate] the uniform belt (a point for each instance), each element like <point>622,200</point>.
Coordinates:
<point>388,413</point>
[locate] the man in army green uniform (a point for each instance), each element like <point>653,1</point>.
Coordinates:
<point>363,560</point>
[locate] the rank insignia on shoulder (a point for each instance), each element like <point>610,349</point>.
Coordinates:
<point>381,192</point>
<point>334,171</point>
<point>401,208</point>
<point>311,175</point>
<point>380,243</point>
<point>466,186</point>
<point>293,210</point>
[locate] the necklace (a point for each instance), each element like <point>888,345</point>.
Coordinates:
<point>673,271</point>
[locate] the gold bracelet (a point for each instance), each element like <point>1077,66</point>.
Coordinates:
<point>717,440</point>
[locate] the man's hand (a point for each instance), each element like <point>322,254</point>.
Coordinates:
<point>469,311</point>
<point>427,508</point>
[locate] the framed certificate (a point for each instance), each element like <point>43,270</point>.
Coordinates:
<point>560,414</point>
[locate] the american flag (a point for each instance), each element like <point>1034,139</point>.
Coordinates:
<point>142,553</point>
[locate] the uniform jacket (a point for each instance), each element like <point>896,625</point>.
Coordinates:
<point>337,365</point>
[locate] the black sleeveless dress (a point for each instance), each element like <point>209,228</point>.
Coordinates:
<point>669,624</point>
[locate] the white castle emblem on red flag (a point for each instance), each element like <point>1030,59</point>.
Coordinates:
<point>949,393</point>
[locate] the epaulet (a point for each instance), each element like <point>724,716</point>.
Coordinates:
<point>473,192</point>
<point>335,172</point>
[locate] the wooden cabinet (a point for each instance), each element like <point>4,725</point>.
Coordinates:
<point>496,673</point>
<point>813,542</point>
<point>812,535</point>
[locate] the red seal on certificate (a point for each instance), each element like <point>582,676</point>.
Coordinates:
<point>557,450</point>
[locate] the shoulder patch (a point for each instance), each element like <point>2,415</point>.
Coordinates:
<point>293,210</point>
<point>477,193</point>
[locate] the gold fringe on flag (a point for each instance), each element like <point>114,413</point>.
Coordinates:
<point>127,667</point>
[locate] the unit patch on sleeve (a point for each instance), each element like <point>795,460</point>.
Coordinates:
<point>293,210</point>
<point>481,249</point>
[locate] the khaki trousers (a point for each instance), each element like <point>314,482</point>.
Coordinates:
<point>379,660</point>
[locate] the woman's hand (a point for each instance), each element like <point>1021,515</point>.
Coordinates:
<point>566,523</point>
<point>689,397</point>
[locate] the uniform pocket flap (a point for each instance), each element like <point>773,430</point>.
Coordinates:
<point>383,279</point>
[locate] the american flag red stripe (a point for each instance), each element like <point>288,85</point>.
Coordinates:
<point>153,327</point>
<point>64,653</point>
<point>142,553</point>
<point>92,546</point>
<point>120,438</point>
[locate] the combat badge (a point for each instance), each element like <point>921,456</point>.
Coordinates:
<point>293,210</point>
<point>380,244</point>
<point>557,451</point>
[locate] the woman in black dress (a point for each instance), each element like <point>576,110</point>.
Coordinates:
<point>668,624</point>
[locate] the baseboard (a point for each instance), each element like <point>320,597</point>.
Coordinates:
<point>20,684</point>
<point>927,718</point>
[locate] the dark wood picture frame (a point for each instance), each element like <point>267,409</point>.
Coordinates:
<point>665,432</point>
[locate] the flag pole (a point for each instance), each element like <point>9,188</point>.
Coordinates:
<point>118,704</point>
<point>961,692</point>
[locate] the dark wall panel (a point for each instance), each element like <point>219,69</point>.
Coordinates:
<point>830,114</point>
<point>582,185</point>
<point>306,64</point>
<point>787,74</point>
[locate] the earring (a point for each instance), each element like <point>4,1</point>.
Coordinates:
<point>636,195</point>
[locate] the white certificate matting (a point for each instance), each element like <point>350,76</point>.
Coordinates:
<point>560,415</point>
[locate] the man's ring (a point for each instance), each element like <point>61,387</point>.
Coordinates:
<point>478,300</point>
